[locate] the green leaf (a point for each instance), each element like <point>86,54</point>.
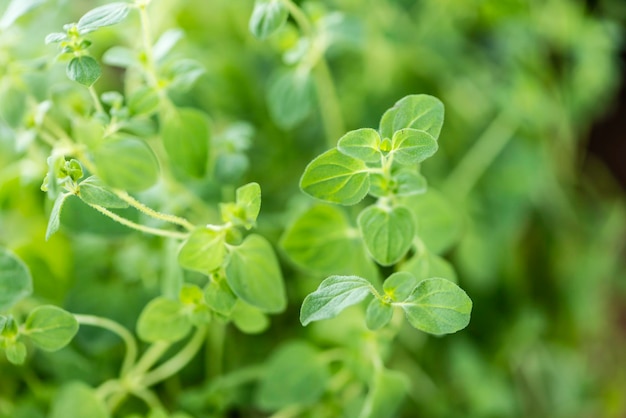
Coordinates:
<point>290,98</point>
<point>248,198</point>
<point>126,163</point>
<point>322,241</point>
<point>77,400</point>
<point>248,319</point>
<point>378,314</point>
<point>333,295</point>
<point>143,101</point>
<point>386,394</point>
<point>55,37</point>
<point>387,232</point>
<point>268,16</point>
<point>93,190</point>
<point>50,328</point>
<point>15,352</point>
<point>409,183</point>
<point>17,9</point>
<point>84,70</point>
<point>362,144</point>
<point>438,223</point>
<point>107,15</point>
<point>163,320</point>
<point>254,275</point>
<point>120,56</point>
<point>427,264</point>
<point>219,297</point>
<point>438,306</point>
<point>294,375</point>
<point>399,286</point>
<point>16,282</point>
<point>420,111</point>
<point>336,178</point>
<point>203,251</point>
<point>186,134</point>
<point>410,146</point>
<point>166,42</point>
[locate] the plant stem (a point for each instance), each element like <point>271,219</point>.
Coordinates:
<point>147,45</point>
<point>122,332</point>
<point>149,398</point>
<point>484,151</point>
<point>153,213</point>
<point>326,92</point>
<point>138,227</point>
<point>180,360</point>
<point>151,356</point>
<point>215,349</point>
<point>96,101</point>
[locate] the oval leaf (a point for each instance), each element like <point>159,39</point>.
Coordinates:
<point>248,199</point>
<point>333,295</point>
<point>438,306</point>
<point>336,177</point>
<point>204,251</point>
<point>254,275</point>
<point>267,17</point>
<point>362,144</point>
<point>185,135</point>
<point>399,285</point>
<point>84,70</point>
<point>94,191</point>
<point>290,98</point>
<point>126,163</point>
<point>107,15</point>
<point>410,146</point>
<point>163,320</point>
<point>387,233</point>
<point>378,314</point>
<point>16,282</point>
<point>15,352</point>
<point>50,328</point>
<point>418,111</point>
<point>77,400</point>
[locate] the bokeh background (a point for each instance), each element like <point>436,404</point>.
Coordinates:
<point>532,157</point>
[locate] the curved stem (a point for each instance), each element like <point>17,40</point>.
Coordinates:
<point>138,227</point>
<point>153,213</point>
<point>151,356</point>
<point>180,360</point>
<point>122,332</point>
<point>149,398</point>
<point>484,151</point>
<point>96,101</point>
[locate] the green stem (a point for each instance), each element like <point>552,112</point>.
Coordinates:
<point>122,332</point>
<point>108,388</point>
<point>180,360</point>
<point>151,356</point>
<point>149,398</point>
<point>215,349</point>
<point>153,213</point>
<point>147,45</point>
<point>138,227</point>
<point>96,101</point>
<point>484,151</point>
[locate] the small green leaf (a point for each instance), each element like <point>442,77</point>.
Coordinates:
<point>219,297</point>
<point>107,15</point>
<point>290,98</point>
<point>378,314</point>
<point>268,16</point>
<point>120,56</point>
<point>93,190</point>
<point>15,352</point>
<point>186,134</point>
<point>362,144</point>
<point>254,275</point>
<point>163,320</point>
<point>126,163</point>
<point>419,111</point>
<point>248,319</point>
<point>337,178</point>
<point>50,328</point>
<point>427,264</point>
<point>55,37</point>
<point>399,286</point>
<point>387,232</point>
<point>333,295</point>
<point>385,396</point>
<point>204,250</point>
<point>84,70</point>
<point>248,198</point>
<point>410,146</point>
<point>144,101</point>
<point>16,282</point>
<point>294,375</point>
<point>409,183</point>
<point>77,400</point>
<point>438,306</point>
<point>166,42</point>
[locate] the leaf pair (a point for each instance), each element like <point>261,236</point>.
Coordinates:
<point>436,306</point>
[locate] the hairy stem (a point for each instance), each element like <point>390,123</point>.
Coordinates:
<point>122,332</point>
<point>146,37</point>
<point>153,213</point>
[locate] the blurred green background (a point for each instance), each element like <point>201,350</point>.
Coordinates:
<point>532,156</point>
